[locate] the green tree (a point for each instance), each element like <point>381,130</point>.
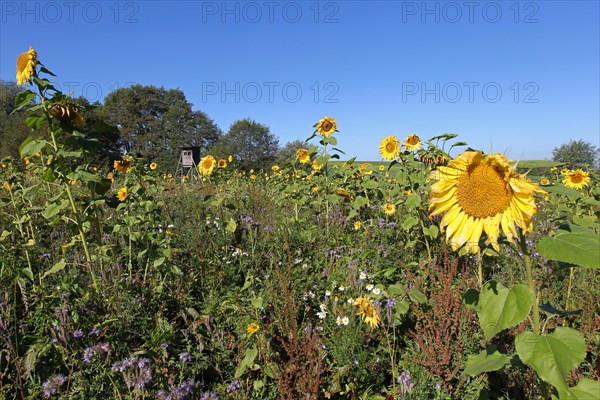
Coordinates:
<point>251,144</point>
<point>576,154</point>
<point>13,130</point>
<point>287,153</point>
<point>155,122</point>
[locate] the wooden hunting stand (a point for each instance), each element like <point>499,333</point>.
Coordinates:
<point>188,163</point>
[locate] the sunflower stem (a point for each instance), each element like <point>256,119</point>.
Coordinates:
<point>480,268</point>
<point>528,269</point>
<point>569,288</point>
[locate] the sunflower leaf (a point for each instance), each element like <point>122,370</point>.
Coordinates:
<point>486,361</point>
<point>574,245</point>
<point>552,356</point>
<point>500,308</point>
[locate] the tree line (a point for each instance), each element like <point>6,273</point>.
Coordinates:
<point>152,123</point>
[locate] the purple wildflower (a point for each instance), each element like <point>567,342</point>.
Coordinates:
<point>52,385</point>
<point>185,357</point>
<point>233,386</point>
<point>78,333</point>
<point>135,370</point>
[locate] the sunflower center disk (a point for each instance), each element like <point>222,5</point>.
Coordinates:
<point>22,61</point>
<point>576,178</point>
<point>482,192</point>
<point>390,147</point>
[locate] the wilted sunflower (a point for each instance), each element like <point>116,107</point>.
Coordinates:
<point>326,126</point>
<point>576,179</point>
<point>207,165</point>
<point>67,111</point>
<point>481,193</point>
<point>412,142</point>
<point>389,148</point>
<point>389,209</point>
<point>343,193</point>
<point>123,193</point>
<point>123,165</point>
<point>222,163</point>
<point>26,66</point>
<point>367,311</point>
<point>303,156</point>
<point>153,166</point>
<point>433,157</point>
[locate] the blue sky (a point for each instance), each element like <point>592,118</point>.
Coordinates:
<point>514,77</point>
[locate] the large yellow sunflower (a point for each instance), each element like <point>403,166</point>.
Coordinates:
<point>576,179</point>
<point>303,156</point>
<point>412,142</point>
<point>389,148</point>
<point>207,165</point>
<point>481,193</point>
<point>326,126</point>
<point>26,66</point>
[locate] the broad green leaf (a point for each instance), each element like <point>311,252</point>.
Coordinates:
<point>409,222</point>
<point>501,308</point>
<point>257,302</point>
<point>563,190</point>
<point>486,361</point>
<point>396,290</point>
<point>257,385</point>
<point>402,307</point>
<point>574,245</point>
<point>54,208</point>
<point>59,266</point>
<point>246,362</point>
<point>432,231</point>
<point>231,225</point>
<point>159,261</point>
<point>359,202</point>
<point>272,370</point>
<point>31,146</point>
<point>552,356</point>
<point>370,184</point>
<point>413,201</point>
<point>586,389</point>
<point>417,296</point>
<point>587,221</point>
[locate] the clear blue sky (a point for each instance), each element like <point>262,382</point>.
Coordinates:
<point>514,77</point>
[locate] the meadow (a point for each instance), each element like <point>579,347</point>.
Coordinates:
<point>425,276</point>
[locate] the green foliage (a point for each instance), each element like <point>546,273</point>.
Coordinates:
<point>577,154</point>
<point>487,360</point>
<point>107,274</point>
<point>574,245</point>
<point>155,122</point>
<point>251,144</point>
<point>499,307</point>
<point>553,356</point>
